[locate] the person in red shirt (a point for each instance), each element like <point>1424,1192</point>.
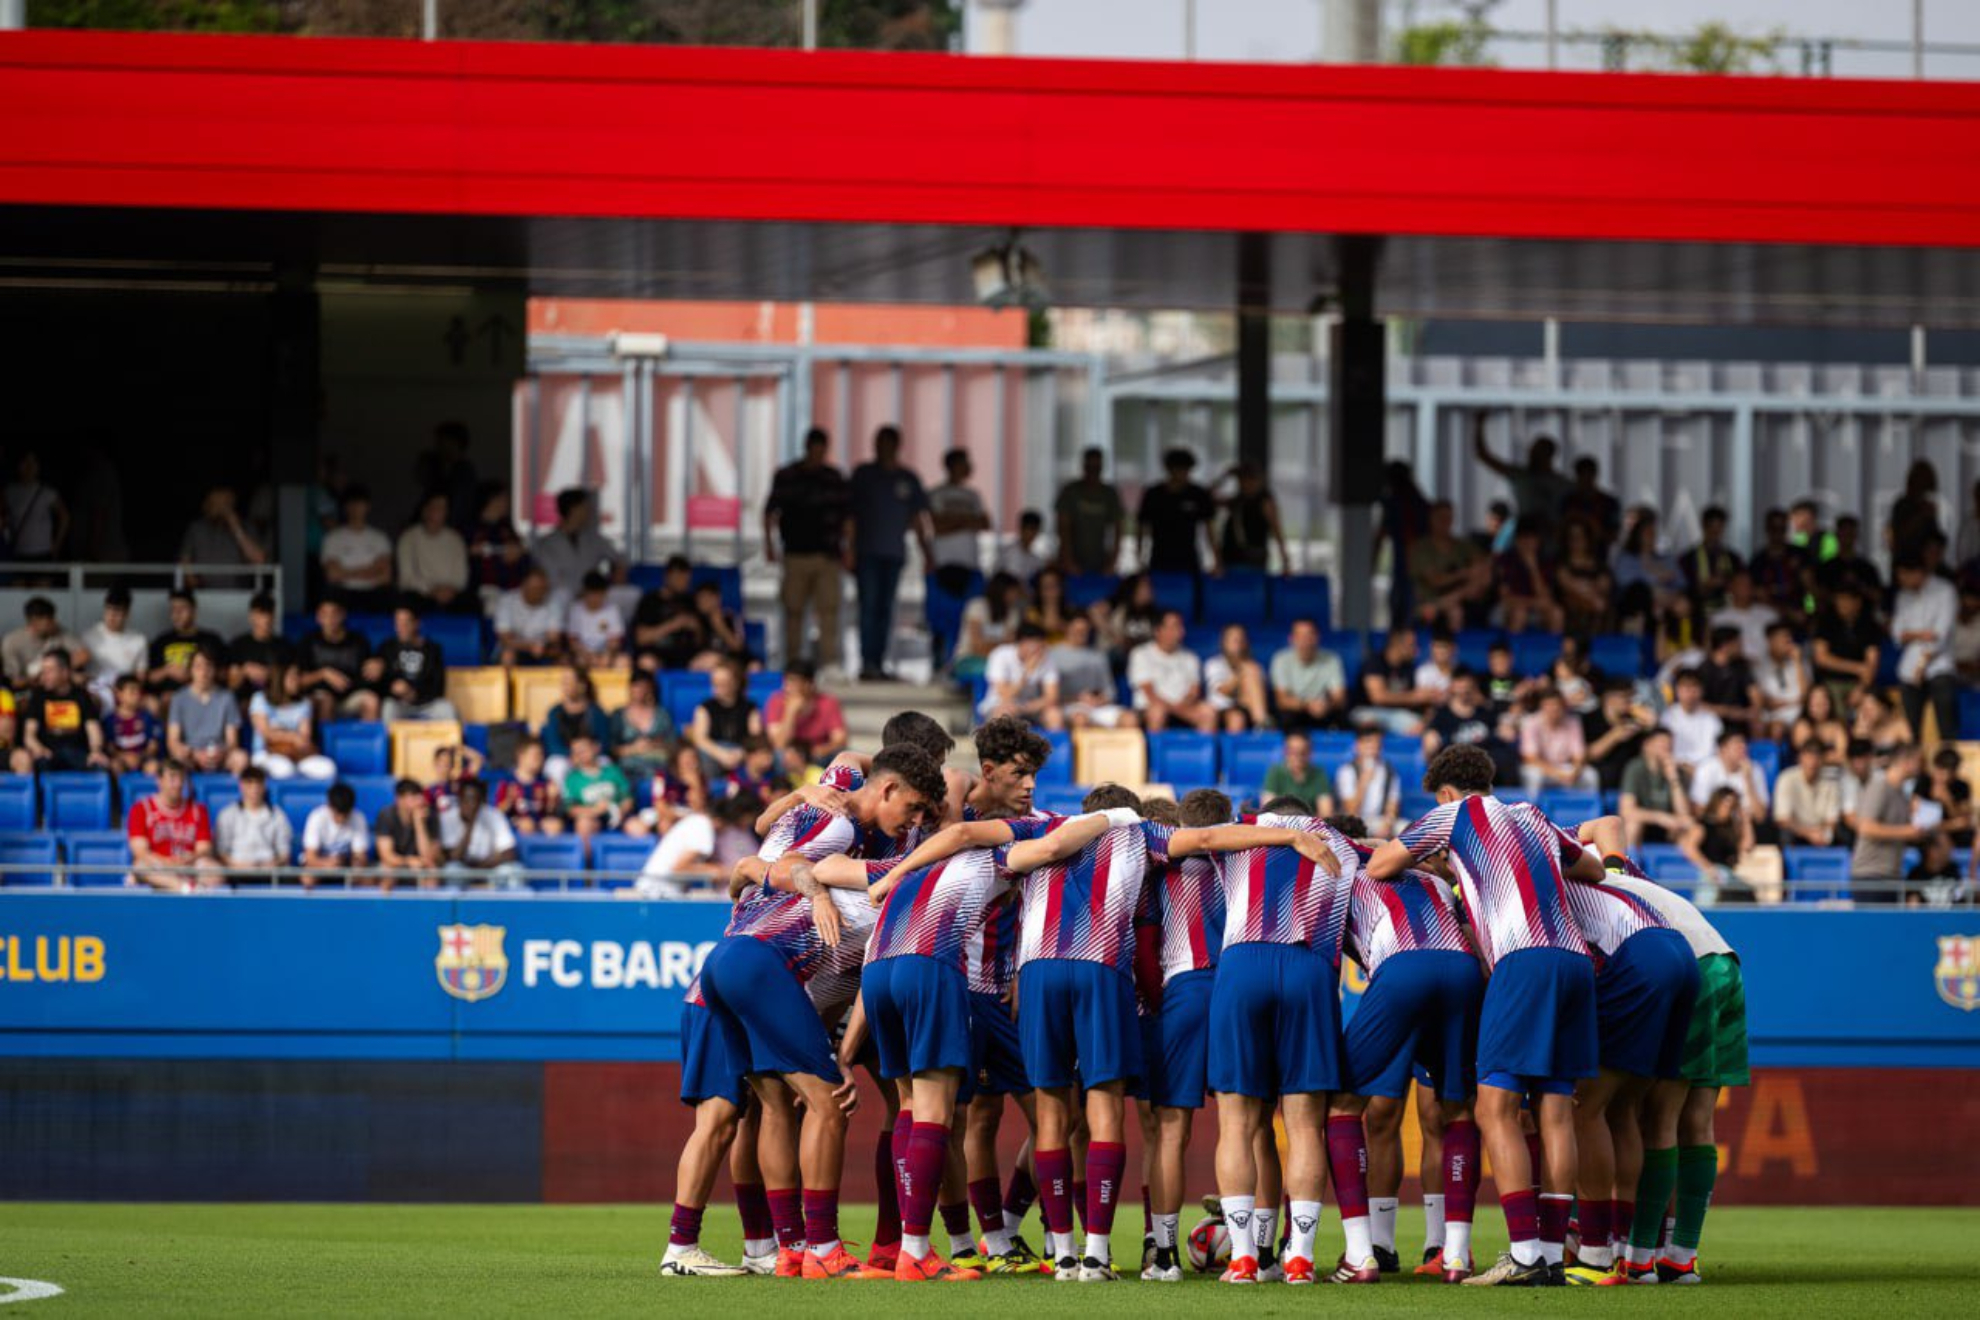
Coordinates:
<point>799,713</point>
<point>172,837</point>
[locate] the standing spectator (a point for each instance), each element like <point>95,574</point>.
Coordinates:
<point>575,546</point>
<point>1235,682</point>
<point>1168,681</point>
<point>1524,577</point>
<point>1783,681</point>
<point>114,651</point>
<point>596,794</point>
<point>1649,584</point>
<point>1552,752</point>
<point>807,513</point>
<point>496,557</point>
<point>415,677</point>
<point>1086,680</point>
<point>1587,588</point>
<point>1730,690</point>
<point>576,715</point>
<point>1090,513</point>
<point>1858,769</point>
<point>1309,685</point>
<point>885,502</point>
<point>668,632</point>
<point>1848,646</point>
<point>357,557</point>
<point>333,660</point>
<point>1174,520</point>
<point>1448,574</point>
<point>171,837</point>
<point>1295,775</point>
<point>41,633</point>
<point>957,515</point>
<point>250,833</point>
<point>283,740</point>
<point>1746,613</point>
<point>1732,768</point>
<point>1922,622</point>
<point>1848,564</point>
<point>335,837</point>
<point>724,722</point>
<point>594,628</point>
<point>529,622</point>
<point>1021,558</point>
<point>1388,687</point>
<point>132,736</point>
<point>1946,788</point>
<point>203,726</point>
<point>642,732</point>
<point>1405,519</point>
<point>1655,806</point>
<point>1884,823</point>
<point>446,469</point>
<point>1708,566</point>
<point>36,518</point>
<point>987,622</point>
<point>1538,490</point>
<point>59,724</point>
<point>1779,569</point>
<point>799,713</point>
<point>1807,800</point>
<point>1251,523</point>
<point>531,800</point>
<point>1614,732</point>
<point>1915,514</point>
<point>258,650</point>
<point>433,559</point>
<point>1367,785</point>
<point>478,842</point>
<point>169,666</point>
<point>1587,503</point>
<point>1694,728</point>
<point>1020,681</point>
<point>218,537</point>
<point>408,836</point>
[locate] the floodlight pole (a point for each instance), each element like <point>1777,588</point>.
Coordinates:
<point>429,20</point>
<point>13,15</point>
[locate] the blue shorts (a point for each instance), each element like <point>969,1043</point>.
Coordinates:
<point>1643,1003</point>
<point>767,1022</point>
<point>1076,1024</point>
<point>996,1055</point>
<point>1420,1012</point>
<point>707,1070</point>
<point>1176,1046</point>
<point>1538,1022</point>
<point>917,1011</point>
<point>1275,1022</point>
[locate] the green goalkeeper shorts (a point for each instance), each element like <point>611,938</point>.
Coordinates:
<point>1715,1048</point>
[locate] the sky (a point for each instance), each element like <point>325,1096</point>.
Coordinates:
<point>1276,30</point>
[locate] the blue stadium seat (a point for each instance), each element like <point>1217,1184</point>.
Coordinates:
<point>133,787</point>
<point>1617,654</point>
<point>1237,597</point>
<point>944,611</point>
<point>1353,649</point>
<point>1090,588</point>
<point>75,799</point>
<point>1247,756</point>
<point>459,638</point>
<point>616,852</point>
<point>1058,768</point>
<point>647,577</point>
<point>374,794</point>
<point>359,747</point>
<point>1059,799</point>
<point>1512,795</point>
<point>16,802</point>
<point>1767,760</point>
<point>297,625</point>
<point>1303,596</point>
<point>1175,591</point>
<point>756,638</point>
<point>93,849</point>
<point>1969,713</point>
<point>1650,853</point>
<point>1815,874</point>
<point>36,851</point>
<point>296,798</point>
<point>1415,803</point>
<point>1182,757</point>
<point>1535,653</point>
<point>1611,801</point>
<point>681,690</point>
<point>1332,748</point>
<point>1475,647</point>
<point>726,576</point>
<point>1397,745</point>
<point>374,628</point>
<point>475,737</point>
<point>1204,639</point>
<point>1571,806</point>
<point>1667,869</point>
<point>205,782</point>
<point>561,854</point>
<point>761,684</point>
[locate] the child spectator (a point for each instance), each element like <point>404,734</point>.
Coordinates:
<point>452,767</point>
<point>169,666</point>
<point>171,837</point>
<point>408,836</point>
<point>529,622</point>
<point>131,734</point>
<point>203,725</point>
<point>596,794</point>
<point>333,661</point>
<point>283,729</point>
<point>250,833</point>
<point>576,714</point>
<point>532,803</point>
<point>725,721</point>
<point>642,733</point>
<point>59,724</point>
<point>335,837</point>
<point>114,651</point>
<point>680,788</point>
<point>594,628</point>
<point>1367,786</point>
<point>433,559</point>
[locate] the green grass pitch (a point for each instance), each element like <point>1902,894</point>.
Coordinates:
<point>266,1260</point>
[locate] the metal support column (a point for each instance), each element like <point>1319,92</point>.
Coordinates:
<point>295,367</point>
<point>1357,408</point>
<point>1254,352</point>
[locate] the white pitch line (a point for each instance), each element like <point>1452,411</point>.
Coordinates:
<point>29,1290</point>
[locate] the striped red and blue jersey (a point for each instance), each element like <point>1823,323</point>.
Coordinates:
<point>1182,904</point>
<point>693,995</point>
<point>1415,911</point>
<point>1510,863</point>
<point>1276,896</point>
<point>843,776</point>
<point>783,919</point>
<point>990,955</point>
<point>938,910</point>
<point>1083,909</point>
<point>1608,916</point>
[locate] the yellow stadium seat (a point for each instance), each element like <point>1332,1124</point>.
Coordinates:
<point>413,743</point>
<point>532,692</point>
<point>1110,756</point>
<point>481,696</point>
<point>610,686</point>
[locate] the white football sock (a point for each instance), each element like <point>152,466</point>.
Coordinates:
<point>1382,1221</point>
<point>760,1246</point>
<point>1433,1221</point>
<point>1305,1225</point>
<point>997,1241</point>
<point>824,1249</point>
<point>1264,1230</point>
<point>916,1247</point>
<point>961,1244</point>
<point>1098,1248</point>
<point>1237,1221</point>
<point>1166,1227</point>
<point>1359,1249</point>
<point>1062,1245</point>
<point>1457,1244</point>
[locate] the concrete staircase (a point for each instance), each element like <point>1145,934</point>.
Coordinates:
<point>868,707</point>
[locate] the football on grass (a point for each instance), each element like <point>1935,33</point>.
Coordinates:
<point>1209,1246</point>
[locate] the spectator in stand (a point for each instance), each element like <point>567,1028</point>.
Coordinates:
<point>885,503</point>
<point>1049,608</point>
<point>1780,572</point>
<point>1173,523</point>
<point>1848,646</point>
<point>1234,682</point>
<point>1020,681</point>
<point>724,722</point>
<point>596,794</point>
<point>1388,684</point>
<point>132,736</point>
<point>1466,719</point>
<point>1552,752</point>
<point>1596,509</point>
<point>806,512</point>
<point>1922,622</point>
<point>1167,680</point>
<point>700,846</point>
<point>1969,529</point>
<point>1309,684</point>
<point>1717,845</point>
<point>1915,514</point>
<point>357,557</point>
<point>408,837</point>
<point>957,517</point>
<point>1885,823</point>
<point>1730,690</point>
<point>757,777</point>
<point>1086,680</point>
<point>529,622</point>
<point>1503,685</point>
<point>256,651</point>
<point>282,740</point>
<point>1708,566</point>
<point>1587,588</point>
<point>1878,723</point>
<point>1021,559</point>
<point>37,520</point>
<point>668,632</point>
<point>532,802</point>
<point>496,557</point>
<point>723,627</point>
<point>336,838</point>
<point>446,468</point>
<point>41,633</point>
<point>1680,640</point>
<point>575,546</point>
<point>251,834</point>
<point>577,714</point>
<point>1449,576</point>
<point>1695,728</point>
<point>1733,768</point>
<point>1848,564</point>
<point>203,726</point>
<point>1495,537</point>
<point>114,651</point>
<point>988,622</point>
<point>594,628</point>
<point>1538,490</point>
<point>1934,880</point>
<point>1783,681</point>
<point>1648,581</point>
<point>1405,520</point>
<point>171,837</point>
<point>678,790</point>
<point>1966,632</point>
<point>17,758</point>
<point>1821,723</point>
<point>642,733</point>
<point>169,666</point>
<point>218,537</point>
<point>1859,767</point>
<point>452,767</point>
<point>1655,805</point>
<point>1524,577</point>
<point>333,660</point>
<point>1573,675</point>
<point>433,560</point>
<point>1434,675</point>
<point>1807,800</point>
<point>1367,785</point>
<point>799,712</point>
<point>1133,616</point>
<point>1251,522</point>
<point>1295,775</point>
<point>477,842</point>
<point>59,724</point>
<point>1090,514</point>
<point>415,672</point>
<point>1806,535</point>
<point>1747,614</point>
<point>1945,788</point>
<point>1614,732</point>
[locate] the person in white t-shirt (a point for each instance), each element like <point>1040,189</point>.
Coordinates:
<point>1168,680</point>
<point>357,557</point>
<point>1732,768</point>
<point>1435,674</point>
<point>1923,617</point>
<point>1024,557</point>
<point>1694,729</point>
<point>1022,682</point>
<point>113,650</point>
<point>594,627</point>
<point>478,841</point>
<point>335,836</point>
<point>1745,611</point>
<point>529,622</point>
<point>958,515</point>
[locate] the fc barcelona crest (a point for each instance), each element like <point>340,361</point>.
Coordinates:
<point>1958,972</point>
<point>471,964</point>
